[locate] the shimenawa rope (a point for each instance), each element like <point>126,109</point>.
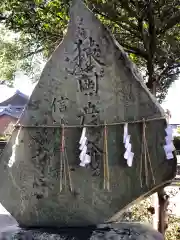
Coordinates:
<point>88,125</point>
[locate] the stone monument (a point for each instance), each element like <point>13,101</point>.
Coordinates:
<point>87,82</point>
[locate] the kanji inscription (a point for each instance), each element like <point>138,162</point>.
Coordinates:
<point>86,64</point>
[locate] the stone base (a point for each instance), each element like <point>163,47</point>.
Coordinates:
<point>118,231</point>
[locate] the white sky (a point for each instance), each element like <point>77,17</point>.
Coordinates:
<point>22,83</point>
<point>172,102</point>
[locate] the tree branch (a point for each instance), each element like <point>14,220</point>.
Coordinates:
<point>135,50</point>
<point>126,6</point>
<point>152,46</point>
<point>143,36</point>
<point>119,21</point>
<point>108,12</point>
<point>33,53</point>
<point>2,18</point>
<point>167,69</point>
<point>170,23</point>
<point>173,74</point>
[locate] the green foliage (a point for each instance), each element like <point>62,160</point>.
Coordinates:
<point>42,22</point>
<point>9,51</point>
<point>139,213</point>
<point>178,129</point>
<point>14,56</point>
<point>173,231</point>
<point>148,30</point>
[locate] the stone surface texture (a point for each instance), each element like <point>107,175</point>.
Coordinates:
<point>120,231</point>
<point>88,80</point>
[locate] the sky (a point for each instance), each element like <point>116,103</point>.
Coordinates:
<point>24,84</point>
<point>172,102</point>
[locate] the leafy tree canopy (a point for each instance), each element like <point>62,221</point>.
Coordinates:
<point>8,53</point>
<point>12,50</point>
<point>149,30</point>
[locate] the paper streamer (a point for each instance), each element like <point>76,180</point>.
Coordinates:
<point>128,155</point>
<point>84,157</point>
<point>125,132</point>
<point>169,147</point>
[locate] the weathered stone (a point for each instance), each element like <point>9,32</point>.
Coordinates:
<point>124,231</point>
<point>88,79</point>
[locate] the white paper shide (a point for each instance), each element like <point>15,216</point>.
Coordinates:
<point>128,155</point>
<point>84,157</point>
<point>169,146</point>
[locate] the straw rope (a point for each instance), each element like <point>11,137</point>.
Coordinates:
<point>105,160</point>
<point>81,126</point>
<point>147,159</point>
<point>64,164</point>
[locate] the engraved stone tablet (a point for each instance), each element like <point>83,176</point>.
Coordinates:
<point>88,80</point>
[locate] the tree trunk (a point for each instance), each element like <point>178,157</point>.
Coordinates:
<point>161,207</point>
<point>163,214</point>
